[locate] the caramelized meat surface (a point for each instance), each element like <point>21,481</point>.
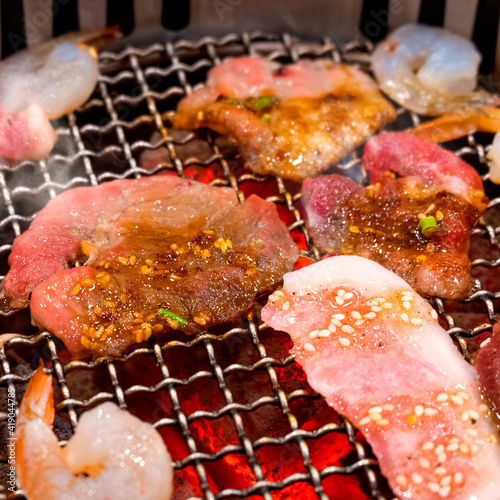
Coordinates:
<point>383,222</point>
<point>488,366</point>
<point>293,120</point>
<point>164,253</point>
<point>376,352</point>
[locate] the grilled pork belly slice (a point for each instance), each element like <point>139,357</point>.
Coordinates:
<point>164,253</point>
<point>293,120</point>
<point>374,349</point>
<point>385,221</point>
<point>487,364</point>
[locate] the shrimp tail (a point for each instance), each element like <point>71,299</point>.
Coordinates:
<point>38,401</point>
<point>455,125</point>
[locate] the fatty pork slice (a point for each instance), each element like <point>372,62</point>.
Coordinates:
<point>382,221</point>
<point>160,243</point>
<point>294,120</point>
<point>487,364</point>
<point>374,349</point>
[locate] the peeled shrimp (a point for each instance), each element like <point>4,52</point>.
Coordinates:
<point>429,70</point>
<point>111,455</point>
<point>59,76</point>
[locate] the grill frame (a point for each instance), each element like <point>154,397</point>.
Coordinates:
<point>140,65</point>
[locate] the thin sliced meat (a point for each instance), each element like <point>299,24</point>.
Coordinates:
<point>26,135</point>
<point>374,349</point>
<point>408,155</point>
<point>293,120</point>
<point>487,364</point>
<point>382,222</point>
<point>156,243</point>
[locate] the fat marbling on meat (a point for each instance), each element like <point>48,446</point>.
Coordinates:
<point>152,243</point>
<point>375,350</point>
<point>294,120</point>
<point>411,180</point>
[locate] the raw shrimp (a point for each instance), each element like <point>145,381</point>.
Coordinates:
<point>111,455</point>
<point>429,70</point>
<point>59,76</point>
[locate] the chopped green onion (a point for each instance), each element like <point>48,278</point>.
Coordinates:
<point>170,314</point>
<point>264,102</point>
<point>266,117</point>
<point>237,102</point>
<point>428,225</point>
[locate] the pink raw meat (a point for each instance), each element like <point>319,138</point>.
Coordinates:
<point>374,349</point>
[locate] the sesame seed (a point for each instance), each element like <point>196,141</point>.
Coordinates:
<point>339,300</point>
<point>365,421</point>
<point>433,487</point>
<point>309,347</point>
<point>205,254</point>
<point>465,416</point>
<point>439,449</point>
<point>406,305</point>
<point>380,300</point>
<point>123,261</point>
<point>457,399</point>
<point>338,316</point>
<point>87,282</point>
<point>492,439</point>
<point>407,292</point>
<point>483,408</point>
<point>133,260</point>
<point>474,414</point>
<point>76,289</point>
<point>370,315</point>
<point>452,447</point>
<point>485,342</point>
<point>464,448</point>
<point>424,463</point>
<point>404,317</point>
<point>417,478</point>
<point>332,328</point>
<point>313,334</point>
<point>442,397</point>
<point>387,305</point>
<point>388,407</point>
<point>139,336</point>
<point>285,306</point>
<point>441,457</point>
<point>439,215</point>
<point>430,411</point>
<point>340,292</point>
<point>347,329</point>
<point>223,246</point>
<point>421,258</point>
<point>359,322</point>
<point>85,341</point>
<point>375,416</point>
<point>401,481</point>
<point>279,293</point>
<point>348,296</point>
<point>199,320</point>
<point>344,342</point>
<point>407,298</point>
<point>356,314</point>
<point>474,448</point>
<point>324,333</point>
<point>412,419</point>
<point>471,432</point>
<point>336,322</point>
<point>100,275</point>
<point>454,440</point>
<point>371,302</point>
<point>383,422</point>
<point>445,481</point>
<point>428,445</point>
<point>145,269</point>
<point>354,229</point>
<point>273,298</point>
<point>376,308</point>
<point>463,395</point>
<point>419,410</point>
<point>443,492</point>
<point>434,314</point>
<point>440,471</point>
<point>458,477</point>
<point>375,409</point>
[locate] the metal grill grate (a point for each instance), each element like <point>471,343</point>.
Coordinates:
<point>137,91</point>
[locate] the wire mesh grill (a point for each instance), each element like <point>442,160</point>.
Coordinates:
<point>137,91</point>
